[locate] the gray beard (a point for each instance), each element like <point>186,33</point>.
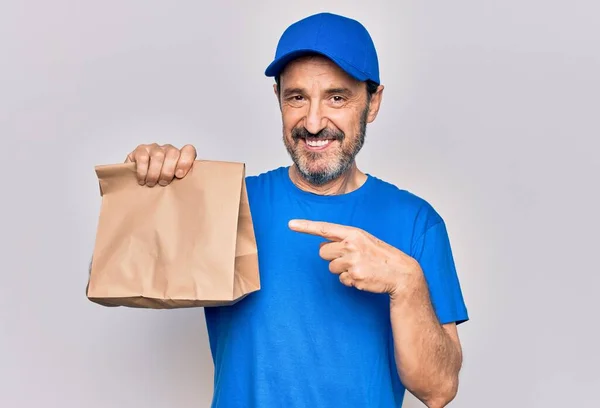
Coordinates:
<point>319,178</point>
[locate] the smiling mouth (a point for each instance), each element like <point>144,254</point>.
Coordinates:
<point>314,143</point>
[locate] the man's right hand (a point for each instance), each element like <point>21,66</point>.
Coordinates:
<point>160,164</point>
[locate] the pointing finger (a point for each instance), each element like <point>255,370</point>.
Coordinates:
<point>334,232</point>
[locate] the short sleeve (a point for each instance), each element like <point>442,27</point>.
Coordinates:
<point>433,252</point>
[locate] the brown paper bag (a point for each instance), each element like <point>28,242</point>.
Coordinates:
<point>188,244</point>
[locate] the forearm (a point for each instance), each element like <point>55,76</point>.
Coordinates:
<point>428,359</point>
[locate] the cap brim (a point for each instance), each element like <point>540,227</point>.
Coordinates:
<point>276,67</point>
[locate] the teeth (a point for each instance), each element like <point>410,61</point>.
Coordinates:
<point>317,143</point>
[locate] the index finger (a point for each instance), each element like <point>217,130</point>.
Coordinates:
<point>334,232</point>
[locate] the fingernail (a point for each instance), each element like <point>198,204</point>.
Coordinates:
<point>163,183</point>
<point>179,173</point>
<point>141,182</point>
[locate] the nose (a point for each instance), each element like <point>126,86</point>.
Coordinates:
<point>314,121</point>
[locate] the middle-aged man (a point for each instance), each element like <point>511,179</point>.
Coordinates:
<point>360,298</point>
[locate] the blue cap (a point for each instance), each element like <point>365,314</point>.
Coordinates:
<point>343,40</point>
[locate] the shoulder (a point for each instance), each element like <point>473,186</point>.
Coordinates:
<point>408,205</point>
<point>410,215</point>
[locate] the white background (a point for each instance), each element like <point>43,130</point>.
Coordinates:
<point>491,112</point>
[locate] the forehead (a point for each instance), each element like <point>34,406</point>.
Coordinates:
<point>315,70</point>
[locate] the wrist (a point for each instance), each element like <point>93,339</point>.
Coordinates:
<point>411,286</point>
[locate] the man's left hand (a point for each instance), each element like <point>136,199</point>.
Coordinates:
<point>362,260</point>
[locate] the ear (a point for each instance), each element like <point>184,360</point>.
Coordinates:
<point>277,95</point>
<point>375,104</point>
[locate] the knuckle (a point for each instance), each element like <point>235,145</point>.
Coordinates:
<point>141,157</point>
<point>165,178</point>
<point>172,151</point>
<point>170,162</point>
<point>357,234</point>
<point>184,161</point>
<point>356,272</point>
<point>158,154</point>
<point>146,148</point>
<point>353,260</point>
<point>349,245</point>
<point>140,149</point>
<point>413,263</point>
<point>167,173</point>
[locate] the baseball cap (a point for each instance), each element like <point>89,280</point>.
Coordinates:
<point>343,40</point>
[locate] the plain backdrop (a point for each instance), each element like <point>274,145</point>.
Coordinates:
<point>491,113</point>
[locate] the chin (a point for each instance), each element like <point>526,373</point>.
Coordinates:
<point>320,172</point>
<point>318,178</point>
<point>318,168</point>
<point>320,165</point>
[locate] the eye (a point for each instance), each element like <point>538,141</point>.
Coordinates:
<point>295,98</point>
<point>337,99</point>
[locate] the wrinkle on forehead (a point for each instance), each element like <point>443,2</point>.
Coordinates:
<point>316,71</point>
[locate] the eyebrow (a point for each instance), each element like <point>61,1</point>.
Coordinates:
<point>331,91</point>
<point>292,91</point>
<point>339,91</point>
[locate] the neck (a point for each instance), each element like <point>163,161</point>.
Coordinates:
<point>351,180</point>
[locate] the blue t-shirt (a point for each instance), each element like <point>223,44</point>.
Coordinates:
<point>305,340</point>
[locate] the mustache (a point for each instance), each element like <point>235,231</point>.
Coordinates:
<point>302,133</point>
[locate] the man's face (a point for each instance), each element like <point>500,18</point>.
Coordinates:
<point>325,113</point>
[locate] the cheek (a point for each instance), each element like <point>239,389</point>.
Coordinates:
<point>345,120</point>
<point>291,118</point>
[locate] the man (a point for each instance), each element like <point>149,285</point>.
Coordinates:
<point>360,298</point>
